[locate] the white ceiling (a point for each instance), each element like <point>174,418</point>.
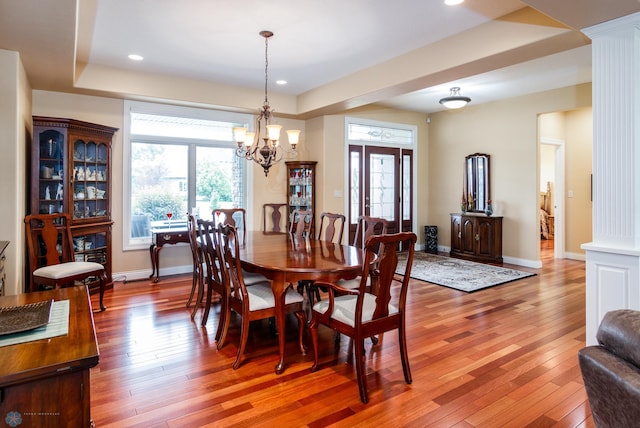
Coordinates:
<point>316,44</point>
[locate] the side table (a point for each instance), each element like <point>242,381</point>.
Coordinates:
<point>160,238</point>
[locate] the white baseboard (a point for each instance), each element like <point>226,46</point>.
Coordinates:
<point>138,275</point>
<point>535,264</point>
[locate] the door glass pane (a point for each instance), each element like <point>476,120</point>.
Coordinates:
<point>381,185</point>
<point>406,187</point>
<point>158,186</point>
<point>355,192</point>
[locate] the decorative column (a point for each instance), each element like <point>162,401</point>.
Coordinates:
<point>613,258</point>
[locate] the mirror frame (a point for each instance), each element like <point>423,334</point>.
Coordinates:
<point>476,182</point>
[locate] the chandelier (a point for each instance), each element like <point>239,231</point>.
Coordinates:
<point>455,100</point>
<point>263,145</point>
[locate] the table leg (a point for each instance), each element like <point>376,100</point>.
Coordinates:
<point>279,286</point>
<point>154,252</point>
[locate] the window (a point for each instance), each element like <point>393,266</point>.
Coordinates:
<point>178,160</point>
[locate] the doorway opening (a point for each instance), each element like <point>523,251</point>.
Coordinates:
<point>551,205</point>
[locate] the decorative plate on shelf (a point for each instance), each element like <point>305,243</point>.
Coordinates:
<point>16,319</point>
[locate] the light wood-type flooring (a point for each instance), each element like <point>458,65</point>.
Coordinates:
<point>500,357</point>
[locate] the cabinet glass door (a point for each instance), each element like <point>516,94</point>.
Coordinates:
<point>301,189</point>
<point>51,172</point>
<point>91,246</point>
<point>90,179</point>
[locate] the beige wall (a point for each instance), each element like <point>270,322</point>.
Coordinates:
<point>508,131</point>
<point>578,161</point>
<point>15,122</point>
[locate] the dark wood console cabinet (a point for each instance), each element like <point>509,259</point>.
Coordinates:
<point>476,237</point>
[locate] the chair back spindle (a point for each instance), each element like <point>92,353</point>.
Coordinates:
<point>275,215</point>
<point>331,227</point>
<point>301,222</point>
<point>236,217</point>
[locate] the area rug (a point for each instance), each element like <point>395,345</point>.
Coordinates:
<point>460,274</point>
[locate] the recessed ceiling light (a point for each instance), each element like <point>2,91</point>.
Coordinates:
<point>136,57</point>
<point>453,2</point>
<point>281,82</point>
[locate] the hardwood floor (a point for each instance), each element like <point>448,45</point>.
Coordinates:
<point>503,356</point>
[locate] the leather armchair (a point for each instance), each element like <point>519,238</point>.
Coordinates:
<point>611,370</point>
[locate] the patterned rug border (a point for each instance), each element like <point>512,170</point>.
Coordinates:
<point>462,275</point>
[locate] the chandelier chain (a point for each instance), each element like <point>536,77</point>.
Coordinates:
<point>266,68</point>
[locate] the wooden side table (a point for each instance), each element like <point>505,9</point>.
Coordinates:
<point>45,383</point>
<point>162,237</point>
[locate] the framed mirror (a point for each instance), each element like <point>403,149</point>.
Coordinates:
<point>476,182</point>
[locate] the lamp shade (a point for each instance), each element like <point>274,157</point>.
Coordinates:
<point>240,134</point>
<point>294,136</point>
<point>274,132</point>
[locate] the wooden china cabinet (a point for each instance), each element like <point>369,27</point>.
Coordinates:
<point>301,189</point>
<point>71,172</point>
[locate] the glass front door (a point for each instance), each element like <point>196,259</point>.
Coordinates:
<point>380,186</point>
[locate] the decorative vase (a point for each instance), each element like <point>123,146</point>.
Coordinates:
<point>488,210</point>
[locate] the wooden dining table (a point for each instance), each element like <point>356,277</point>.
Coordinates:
<point>286,260</point>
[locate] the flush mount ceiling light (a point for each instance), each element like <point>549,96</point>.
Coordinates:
<point>453,2</point>
<point>455,100</point>
<point>263,146</point>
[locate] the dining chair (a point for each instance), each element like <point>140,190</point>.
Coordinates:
<point>199,266</point>
<point>251,303</point>
<point>272,211</point>
<point>301,223</point>
<point>331,229</point>
<point>51,255</point>
<point>366,226</point>
<point>237,217</point>
<point>213,277</point>
<point>361,313</point>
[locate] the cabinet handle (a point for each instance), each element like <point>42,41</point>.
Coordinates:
<point>477,237</point>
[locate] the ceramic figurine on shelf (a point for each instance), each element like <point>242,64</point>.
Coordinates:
<point>47,193</point>
<point>59,191</point>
